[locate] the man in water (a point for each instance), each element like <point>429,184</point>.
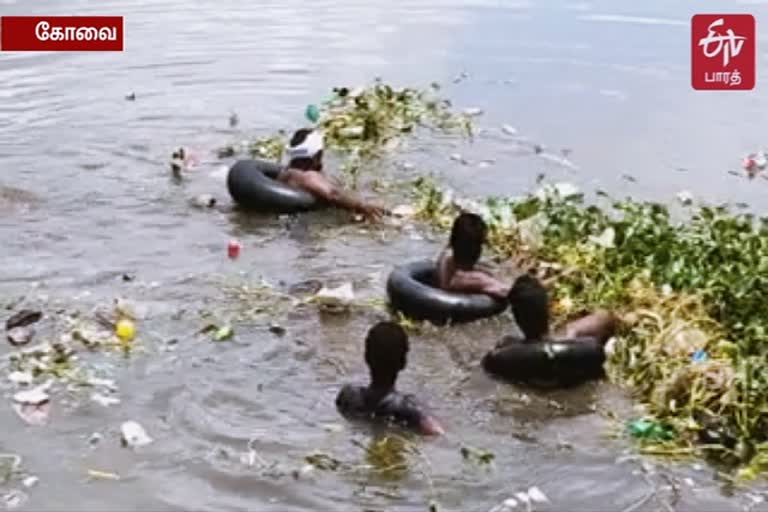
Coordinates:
<point>386,351</point>
<point>304,171</point>
<point>530,306</point>
<point>456,265</point>
<point>526,360</point>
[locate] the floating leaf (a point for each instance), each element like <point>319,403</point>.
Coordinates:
<point>223,333</point>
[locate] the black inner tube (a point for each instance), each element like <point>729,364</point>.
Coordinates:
<point>412,290</point>
<point>253,185</point>
<point>549,363</point>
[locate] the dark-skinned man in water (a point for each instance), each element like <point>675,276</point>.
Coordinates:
<point>457,266</point>
<point>529,301</point>
<point>386,355</point>
<point>305,171</point>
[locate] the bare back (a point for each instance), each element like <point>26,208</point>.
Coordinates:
<point>451,278</point>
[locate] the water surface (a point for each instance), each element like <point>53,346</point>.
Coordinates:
<point>608,81</point>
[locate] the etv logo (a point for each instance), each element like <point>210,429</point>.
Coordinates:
<point>723,52</point>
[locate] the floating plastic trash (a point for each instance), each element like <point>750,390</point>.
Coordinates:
<point>233,249</point>
<point>134,435</point>
<point>650,430</point>
<point>685,197</point>
<point>20,335</point>
<point>104,401</point>
<point>508,129</point>
<point>340,296</point>
<point>23,318</point>
<point>473,111</point>
<point>700,356</point>
<point>125,330</point>
<point>312,113</point>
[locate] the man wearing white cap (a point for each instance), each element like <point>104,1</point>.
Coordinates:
<point>304,170</point>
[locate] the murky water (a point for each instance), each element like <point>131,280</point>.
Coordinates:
<point>607,80</point>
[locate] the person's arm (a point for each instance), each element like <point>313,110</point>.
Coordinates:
<point>478,282</point>
<point>600,325</point>
<point>319,186</point>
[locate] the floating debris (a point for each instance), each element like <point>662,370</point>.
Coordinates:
<point>203,201</point>
<point>30,481</point>
<point>223,333</point>
<point>218,333</point>
<point>312,113</point>
<point>754,163</point>
<point>103,400</point>
<point>332,298</point>
<point>535,494</point>
<point>105,383</point>
<point>484,164</point>
<point>125,330</point>
<point>404,210</point>
<point>460,77</point>
<point>649,429</point>
<point>685,197</point>
<point>23,318</point>
<point>21,378</point>
<point>606,239</point>
<point>480,457</point>
<point>509,129</point>
<point>19,336</point>
<point>35,415</point>
<point>14,499</point>
<point>35,396</point>
<point>473,111</point>
<point>102,475</point>
<point>33,405</point>
<point>134,435</point>
<point>456,157</point>
<point>233,249</point>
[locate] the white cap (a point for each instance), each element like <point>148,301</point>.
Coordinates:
<point>311,146</point>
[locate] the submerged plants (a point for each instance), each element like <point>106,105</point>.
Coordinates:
<point>694,346</point>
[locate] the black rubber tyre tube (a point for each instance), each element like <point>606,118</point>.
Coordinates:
<point>411,291</point>
<point>253,185</point>
<point>558,363</point>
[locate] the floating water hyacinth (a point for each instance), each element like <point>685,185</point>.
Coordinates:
<point>692,292</point>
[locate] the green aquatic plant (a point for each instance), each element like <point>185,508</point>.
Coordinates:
<point>364,124</point>
<point>692,292</point>
<point>363,121</point>
<point>267,147</point>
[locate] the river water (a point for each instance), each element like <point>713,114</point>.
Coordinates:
<point>87,196</point>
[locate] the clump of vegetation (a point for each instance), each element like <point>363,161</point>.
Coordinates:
<point>364,120</point>
<point>361,124</point>
<point>270,147</point>
<point>694,348</point>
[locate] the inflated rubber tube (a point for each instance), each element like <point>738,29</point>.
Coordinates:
<point>253,185</point>
<point>411,291</point>
<point>550,363</point>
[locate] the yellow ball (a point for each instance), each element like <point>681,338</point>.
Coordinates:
<point>125,330</point>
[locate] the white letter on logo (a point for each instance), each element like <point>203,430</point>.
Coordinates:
<point>41,31</point>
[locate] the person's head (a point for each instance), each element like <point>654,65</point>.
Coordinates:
<point>305,150</point>
<point>467,238</point>
<point>530,305</point>
<point>386,352</point>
